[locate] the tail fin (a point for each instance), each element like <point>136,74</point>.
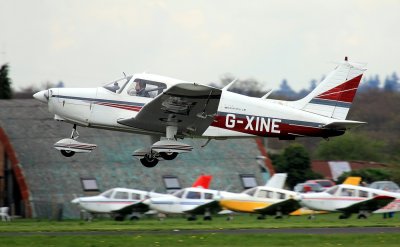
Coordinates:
<point>203,181</point>
<point>334,95</point>
<point>277,180</point>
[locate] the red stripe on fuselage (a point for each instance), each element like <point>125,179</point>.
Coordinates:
<point>267,128</point>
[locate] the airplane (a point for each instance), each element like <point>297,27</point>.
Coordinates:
<point>121,202</point>
<point>169,109</point>
<point>349,199</point>
<point>270,199</point>
<point>189,201</point>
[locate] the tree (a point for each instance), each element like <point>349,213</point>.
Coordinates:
<point>391,83</point>
<point>295,161</point>
<point>5,83</point>
<point>350,146</point>
<point>368,175</point>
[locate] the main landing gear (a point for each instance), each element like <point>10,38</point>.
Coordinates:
<point>69,146</point>
<point>167,149</point>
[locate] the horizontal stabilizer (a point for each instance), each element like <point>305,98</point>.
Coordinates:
<point>343,124</point>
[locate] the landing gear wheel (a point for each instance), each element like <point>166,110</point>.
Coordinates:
<point>168,156</point>
<point>134,218</point>
<point>148,161</point>
<point>261,217</point>
<point>344,216</point>
<point>119,218</point>
<point>192,218</point>
<point>361,216</point>
<point>207,218</point>
<point>67,153</point>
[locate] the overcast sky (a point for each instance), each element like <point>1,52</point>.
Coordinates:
<point>88,43</point>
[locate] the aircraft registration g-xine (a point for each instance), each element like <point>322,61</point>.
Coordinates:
<point>169,109</point>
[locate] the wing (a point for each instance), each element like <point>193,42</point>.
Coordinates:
<point>190,107</point>
<point>368,205</point>
<point>285,207</point>
<point>137,207</point>
<point>212,207</point>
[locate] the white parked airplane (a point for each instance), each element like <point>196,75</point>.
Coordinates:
<point>189,201</point>
<point>169,109</point>
<point>349,199</point>
<point>121,202</point>
<point>271,199</point>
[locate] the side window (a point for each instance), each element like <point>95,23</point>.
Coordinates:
<point>135,196</point>
<point>146,88</point>
<point>121,195</point>
<point>262,194</point>
<point>281,195</point>
<point>193,195</point>
<point>270,194</point>
<point>347,192</point>
<point>363,193</point>
<point>208,196</point>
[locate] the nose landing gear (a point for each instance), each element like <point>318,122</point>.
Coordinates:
<point>69,146</point>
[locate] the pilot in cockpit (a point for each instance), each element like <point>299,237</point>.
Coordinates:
<point>141,89</point>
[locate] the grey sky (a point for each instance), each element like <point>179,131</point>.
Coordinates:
<point>87,43</point>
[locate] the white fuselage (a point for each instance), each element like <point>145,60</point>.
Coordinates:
<point>112,200</point>
<point>237,116</point>
<point>342,196</point>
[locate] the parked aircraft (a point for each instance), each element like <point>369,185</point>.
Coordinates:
<point>168,109</point>
<point>349,199</point>
<point>189,201</point>
<point>270,199</point>
<point>121,202</point>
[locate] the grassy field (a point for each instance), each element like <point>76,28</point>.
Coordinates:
<point>37,227</point>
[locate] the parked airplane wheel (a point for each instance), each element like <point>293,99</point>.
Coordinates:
<point>134,217</point>
<point>119,218</point>
<point>207,218</point>
<point>361,216</point>
<point>192,218</point>
<point>261,217</point>
<point>148,161</point>
<point>67,153</point>
<point>168,156</point>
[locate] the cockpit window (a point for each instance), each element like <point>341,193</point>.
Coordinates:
<point>332,190</point>
<point>146,88</point>
<point>118,85</point>
<point>179,193</point>
<point>251,192</point>
<point>108,193</point>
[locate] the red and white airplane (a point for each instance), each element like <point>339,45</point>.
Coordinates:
<point>169,109</point>
<point>349,199</point>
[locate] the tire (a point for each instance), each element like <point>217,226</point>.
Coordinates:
<point>207,218</point>
<point>149,162</point>
<point>168,156</point>
<point>67,153</point>
<point>119,218</point>
<point>361,216</point>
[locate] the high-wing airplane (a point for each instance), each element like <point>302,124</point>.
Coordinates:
<point>168,109</point>
<point>270,199</point>
<point>121,202</point>
<point>349,199</point>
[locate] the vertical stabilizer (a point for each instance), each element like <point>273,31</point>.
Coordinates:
<point>334,95</point>
<point>277,181</point>
<point>203,181</point>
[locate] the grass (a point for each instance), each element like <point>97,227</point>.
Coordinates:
<point>210,239</point>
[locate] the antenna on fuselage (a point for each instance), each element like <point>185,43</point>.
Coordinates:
<point>124,74</point>
<point>229,85</point>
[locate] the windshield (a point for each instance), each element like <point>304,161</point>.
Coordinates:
<point>118,85</point>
